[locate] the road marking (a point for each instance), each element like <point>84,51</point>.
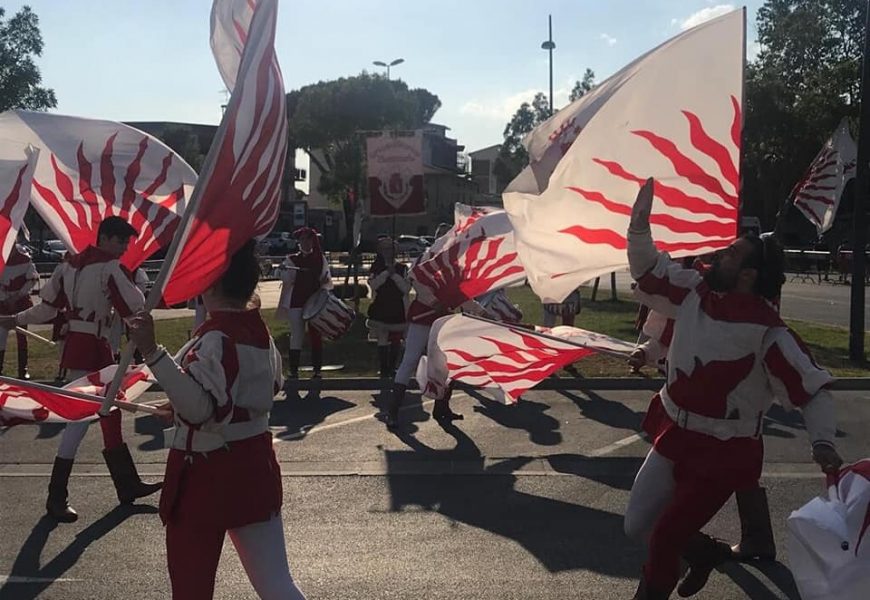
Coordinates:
<point>615,446</point>
<point>17,579</point>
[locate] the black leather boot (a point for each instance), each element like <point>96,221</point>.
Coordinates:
<point>294,364</point>
<point>393,360</point>
<point>316,362</point>
<point>125,477</point>
<point>56,505</point>
<point>703,555</point>
<point>384,362</point>
<point>23,373</point>
<point>756,537</point>
<point>395,403</point>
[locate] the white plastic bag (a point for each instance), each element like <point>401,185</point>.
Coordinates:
<point>828,549</point>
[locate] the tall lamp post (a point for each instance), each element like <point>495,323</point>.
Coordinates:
<point>379,63</point>
<point>549,45</point>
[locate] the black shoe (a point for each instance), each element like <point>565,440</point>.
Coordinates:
<point>703,555</point>
<point>56,504</point>
<point>446,416</point>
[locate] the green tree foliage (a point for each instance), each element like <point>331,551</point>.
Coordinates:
<point>803,82</point>
<point>326,120</point>
<point>183,140</point>
<point>513,156</point>
<point>20,41</point>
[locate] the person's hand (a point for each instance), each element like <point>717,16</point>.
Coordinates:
<point>636,360</point>
<point>8,322</point>
<point>642,208</point>
<point>167,413</point>
<point>141,332</point>
<point>827,458</point>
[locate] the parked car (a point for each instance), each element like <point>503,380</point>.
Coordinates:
<point>429,239</point>
<point>277,243</point>
<point>411,245</point>
<point>48,251</point>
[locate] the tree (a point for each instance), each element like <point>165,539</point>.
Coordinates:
<point>20,41</point>
<point>804,81</point>
<point>512,156</point>
<point>327,119</point>
<point>184,141</point>
<point>584,86</point>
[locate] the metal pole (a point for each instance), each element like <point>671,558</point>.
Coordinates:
<point>859,235</point>
<point>551,63</point>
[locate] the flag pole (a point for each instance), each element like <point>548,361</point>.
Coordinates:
<point>862,188</point>
<point>525,329</point>
<point>122,404</point>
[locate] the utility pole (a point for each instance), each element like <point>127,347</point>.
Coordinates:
<point>862,189</point>
<point>549,45</point>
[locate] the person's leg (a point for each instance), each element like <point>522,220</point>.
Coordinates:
<point>756,532</point>
<point>441,410</point>
<point>4,338</point>
<point>383,338</point>
<point>57,504</point>
<point>22,355</point>
<point>677,531</point>
<point>653,488</point>
<point>415,346</point>
<point>263,554</point>
<point>192,555</point>
<point>549,319</point>
<point>316,340</point>
<point>297,333</point>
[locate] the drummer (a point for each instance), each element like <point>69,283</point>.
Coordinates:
<point>306,272</point>
<point>390,286</point>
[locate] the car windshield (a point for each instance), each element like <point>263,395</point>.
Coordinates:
<point>55,246</point>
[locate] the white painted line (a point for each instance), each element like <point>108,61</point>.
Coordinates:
<point>17,579</point>
<point>615,446</point>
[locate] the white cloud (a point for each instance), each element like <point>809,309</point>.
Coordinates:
<point>610,40</point>
<point>503,108</point>
<point>705,14</point>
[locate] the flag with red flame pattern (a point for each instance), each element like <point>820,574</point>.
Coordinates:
<point>817,195</point>
<point>22,404</point>
<point>89,169</point>
<point>239,191</point>
<point>17,163</point>
<point>475,256</point>
<point>489,355</point>
<point>673,114</point>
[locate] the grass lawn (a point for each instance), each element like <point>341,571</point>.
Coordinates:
<point>830,345</point>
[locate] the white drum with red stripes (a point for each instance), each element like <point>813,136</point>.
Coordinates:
<point>327,314</point>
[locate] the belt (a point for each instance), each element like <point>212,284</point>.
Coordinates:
<point>722,429</point>
<point>92,327</point>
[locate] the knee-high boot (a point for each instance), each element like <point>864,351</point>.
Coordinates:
<point>23,373</point>
<point>756,533</point>
<point>128,485</point>
<point>294,363</point>
<point>56,504</point>
<point>703,554</point>
<point>2,360</point>
<point>393,360</point>
<point>395,404</point>
<point>384,362</point>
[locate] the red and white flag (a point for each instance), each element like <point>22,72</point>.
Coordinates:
<point>487,355</point>
<point>22,404</point>
<point>17,163</point>
<point>817,195</point>
<point>90,169</point>
<point>238,194</point>
<point>476,256</point>
<point>673,114</point>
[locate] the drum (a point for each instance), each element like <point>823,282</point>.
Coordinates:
<point>328,315</point>
<point>499,304</point>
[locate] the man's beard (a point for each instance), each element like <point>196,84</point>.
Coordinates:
<point>716,280</point>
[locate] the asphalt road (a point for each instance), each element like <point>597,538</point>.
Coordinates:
<point>522,502</point>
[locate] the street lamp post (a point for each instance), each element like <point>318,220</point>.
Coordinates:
<point>379,63</point>
<point>549,45</point>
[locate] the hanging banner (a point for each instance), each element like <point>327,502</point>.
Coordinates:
<point>395,173</point>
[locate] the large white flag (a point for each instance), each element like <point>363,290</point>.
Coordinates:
<point>817,194</point>
<point>237,197</point>
<point>674,114</point>
<point>17,163</point>
<point>513,359</point>
<point>89,169</point>
<point>476,256</point>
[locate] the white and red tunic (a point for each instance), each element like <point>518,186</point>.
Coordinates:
<point>730,355</point>
<point>310,275</point>
<point>221,385</point>
<point>17,280</point>
<point>86,287</point>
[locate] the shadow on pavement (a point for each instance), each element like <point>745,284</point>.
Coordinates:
<point>151,426</point>
<point>297,415</point>
<point>617,472</point>
<point>562,536</point>
<point>776,572</point>
<point>526,415</point>
<point>27,563</point>
<point>607,412</point>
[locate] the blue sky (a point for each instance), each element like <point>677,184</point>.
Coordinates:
<point>150,60</point>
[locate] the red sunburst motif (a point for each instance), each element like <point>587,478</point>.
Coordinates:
<point>468,269</point>
<point>81,206</point>
<point>718,233</point>
<point>816,187</point>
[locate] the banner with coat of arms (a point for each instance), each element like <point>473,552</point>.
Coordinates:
<point>395,173</point>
